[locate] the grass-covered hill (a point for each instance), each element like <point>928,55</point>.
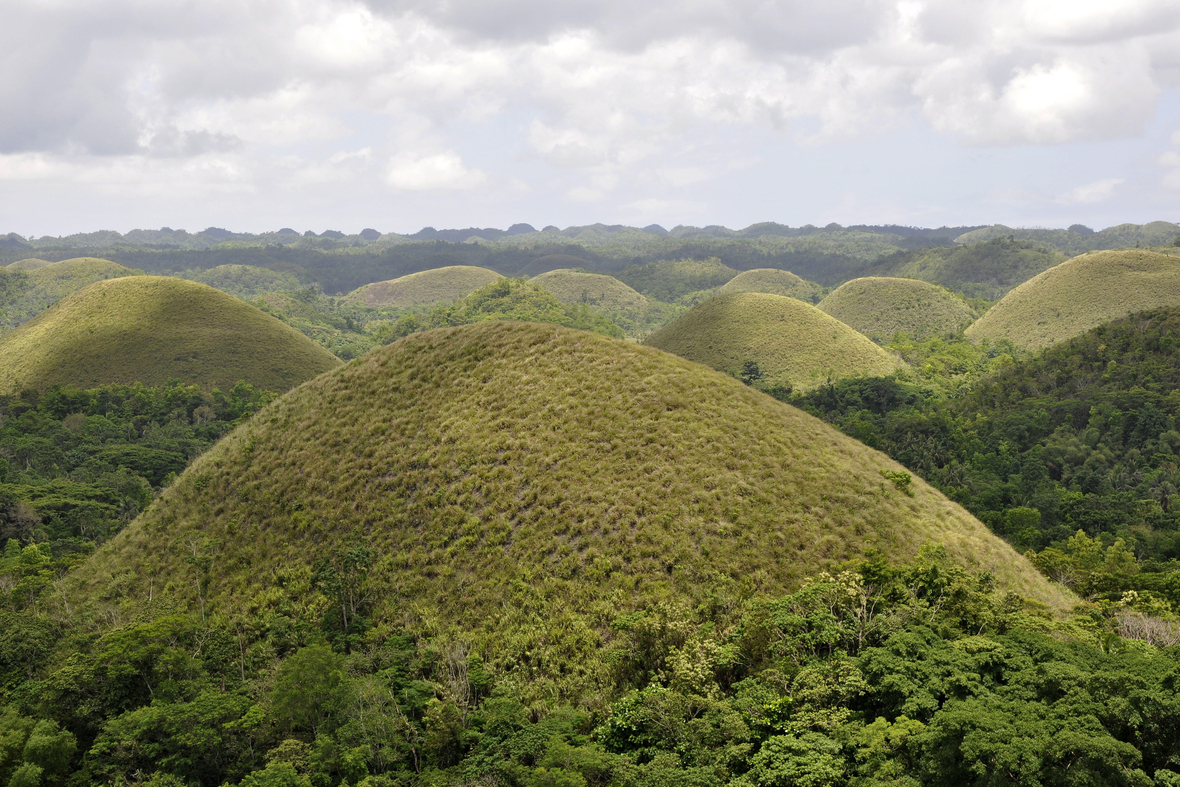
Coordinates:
<point>427,288</point>
<point>28,264</point>
<point>46,285</point>
<point>793,343</point>
<point>506,473</point>
<point>552,262</point>
<point>673,281</point>
<point>979,270</point>
<point>1081,294</point>
<point>152,329</point>
<point>244,281</point>
<point>880,307</point>
<point>605,293</point>
<point>774,282</point>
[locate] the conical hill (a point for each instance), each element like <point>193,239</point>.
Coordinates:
<point>28,264</point>
<point>508,472</point>
<point>773,282</point>
<point>593,289</point>
<point>880,307</point>
<point>793,342</point>
<point>1079,294</point>
<point>150,329</point>
<point>426,288</point>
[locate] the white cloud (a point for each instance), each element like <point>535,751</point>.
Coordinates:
<point>1098,191</point>
<point>436,172</point>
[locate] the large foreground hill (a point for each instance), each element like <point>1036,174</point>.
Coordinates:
<point>1081,294</point>
<point>578,475</point>
<point>151,329</point>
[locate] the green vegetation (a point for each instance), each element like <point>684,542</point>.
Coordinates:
<point>1079,295</point>
<point>979,270</point>
<point>794,344</point>
<point>1081,239</point>
<point>151,329</point>
<point>774,282</point>
<point>338,327</point>
<point>243,281</point>
<point>882,307</point>
<point>428,288</point>
<point>635,314</point>
<point>44,286</point>
<point>677,281</point>
<point>28,264</point>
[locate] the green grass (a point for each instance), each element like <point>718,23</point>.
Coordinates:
<point>151,329</point>
<point>28,264</point>
<point>243,281</point>
<point>793,343</point>
<point>48,284</point>
<point>427,288</point>
<point>1081,294</point>
<point>676,281</point>
<point>508,474</point>
<point>882,307</point>
<point>774,282</point>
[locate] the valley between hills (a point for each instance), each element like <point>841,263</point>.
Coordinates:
<point>595,507</point>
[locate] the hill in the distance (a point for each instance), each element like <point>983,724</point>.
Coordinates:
<point>28,264</point>
<point>427,288</point>
<point>793,343</point>
<point>150,329</point>
<point>979,270</point>
<point>773,281</point>
<point>1081,294</point>
<point>880,307</point>
<point>47,284</point>
<point>244,281</point>
<point>507,473</point>
<point>672,281</point>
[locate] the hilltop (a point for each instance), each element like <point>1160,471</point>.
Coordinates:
<point>151,329</point>
<point>881,307</point>
<point>633,312</point>
<point>774,282</point>
<point>47,284</point>
<point>1081,294</point>
<point>673,281</point>
<point>505,473</point>
<point>794,343</point>
<point>28,264</point>
<point>427,288</point>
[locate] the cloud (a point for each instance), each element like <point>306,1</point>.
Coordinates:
<point>1098,191</point>
<point>436,172</point>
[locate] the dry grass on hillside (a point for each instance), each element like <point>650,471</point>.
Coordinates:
<point>518,478</point>
<point>28,264</point>
<point>880,307</point>
<point>50,283</point>
<point>151,328</point>
<point>427,288</point>
<point>773,281</point>
<point>793,343</point>
<point>1081,294</point>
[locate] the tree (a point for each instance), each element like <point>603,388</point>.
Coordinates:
<point>310,689</point>
<point>750,373</point>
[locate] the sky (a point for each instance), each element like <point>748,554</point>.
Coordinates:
<point>398,114</point>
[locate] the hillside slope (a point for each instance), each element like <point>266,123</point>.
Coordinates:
<point>28,264</point>
<point>506,473</point>
<point>151,328</point>
<point>880,307</point>
<point>793,343</point>
<point>1081,294</point>
<point>773,282</point>
<point>427,288</point>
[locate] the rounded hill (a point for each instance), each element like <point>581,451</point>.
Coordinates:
<point>1080,294</point>
<point>47,284</point>
<point>593,289</point>
<point>506,473</point>
<point>773,281</point>
<point>880,307</point>
<point>150,329</point>
<point>552,262</point>
<point>28,264</point>
<point>793,343</point>
<point>426,288</point>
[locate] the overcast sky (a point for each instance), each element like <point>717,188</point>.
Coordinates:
<point>394,114</point>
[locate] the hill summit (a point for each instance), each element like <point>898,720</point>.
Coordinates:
<point>510,472</point>
<point>150,329</point>
<point>1080,294</point>
<point>880,307</point>
<point>793,343</point>
<point>426,288</point>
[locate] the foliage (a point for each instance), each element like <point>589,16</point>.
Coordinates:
<point>793,343</point>
<point>977,269</point>
<point>243,281</point>
<point>151,329</point>
<point>683,282</point>
<point>635,314</point>
<point>1081,294</point>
